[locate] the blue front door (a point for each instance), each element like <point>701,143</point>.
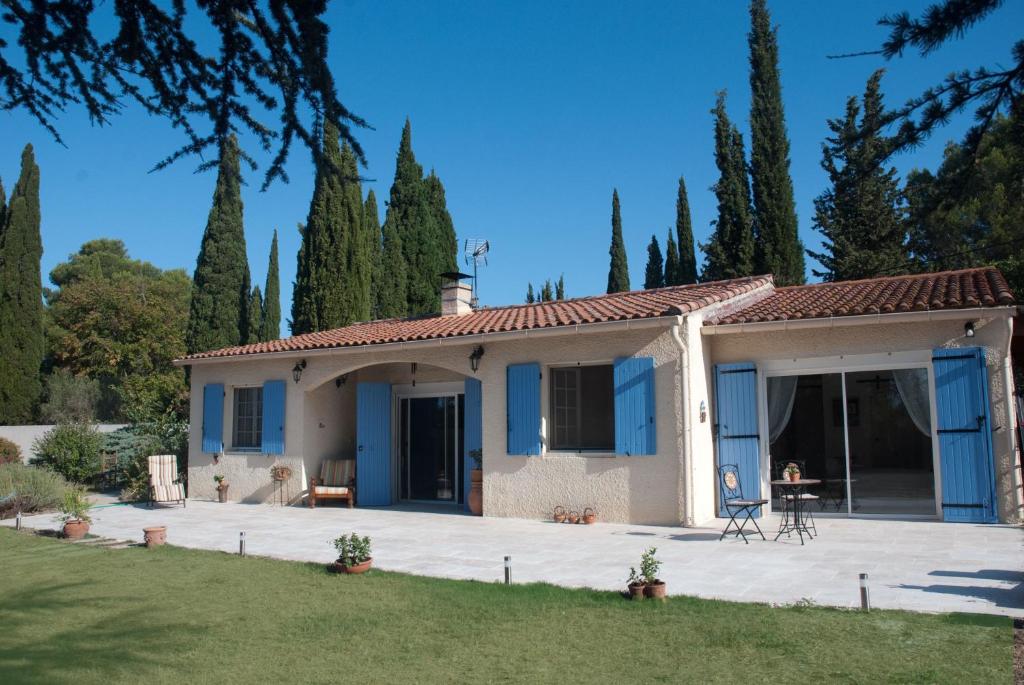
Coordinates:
<point>373,444</point>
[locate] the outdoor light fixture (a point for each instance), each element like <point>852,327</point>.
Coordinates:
<point>413,369</point>
<point>297,370</point>
<point>969,329</point>
<point>474,357</point>
<point>341,380</point>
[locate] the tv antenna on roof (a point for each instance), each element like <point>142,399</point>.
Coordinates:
<point>475,253</point>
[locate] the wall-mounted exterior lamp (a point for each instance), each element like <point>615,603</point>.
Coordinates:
<point>341,380</point>
<point>297,370</point>
<point>474,357</point>
<point>412,368</point>
<point>969,329</point>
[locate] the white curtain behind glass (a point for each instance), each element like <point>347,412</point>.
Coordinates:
<point>912,385</point>
<point>781,395</point>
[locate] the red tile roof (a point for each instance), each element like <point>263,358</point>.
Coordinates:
<point>639,304</point>
<point>964,289</point>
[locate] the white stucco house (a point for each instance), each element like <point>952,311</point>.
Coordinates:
<point>895,392</point>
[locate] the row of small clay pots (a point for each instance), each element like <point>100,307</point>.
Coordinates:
<point>561,516</point>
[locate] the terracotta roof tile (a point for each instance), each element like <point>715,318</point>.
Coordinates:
<point>967,288</point>
<point>639,304</point>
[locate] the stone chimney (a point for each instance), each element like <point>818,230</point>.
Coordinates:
<point>456,296</point>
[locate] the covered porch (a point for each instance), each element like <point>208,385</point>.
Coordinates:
<point>915,565</point>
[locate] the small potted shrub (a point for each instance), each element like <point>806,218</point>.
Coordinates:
<point>222,488</point>
<point>649,567</point>
<point>74,513</point>
<point>636,585</point>
<point>476,483</point>
<point>792,472</point>
<point>353,554</point>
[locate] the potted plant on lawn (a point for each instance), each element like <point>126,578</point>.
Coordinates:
<point>222,488</point>
<point>636,585</point>
<point>649,567</point>
<point>476,483</point>
<point>792,472</point>
<point>74,511</point>
<point>353,554</point>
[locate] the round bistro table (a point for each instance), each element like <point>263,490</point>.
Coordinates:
<point>797,522</point>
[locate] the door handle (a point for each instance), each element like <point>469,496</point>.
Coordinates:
<point>360,448</point>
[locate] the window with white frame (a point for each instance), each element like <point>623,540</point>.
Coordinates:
<point>582,408</point>
<point>248,418</point>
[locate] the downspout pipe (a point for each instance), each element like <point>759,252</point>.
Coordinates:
<point>684,386</point>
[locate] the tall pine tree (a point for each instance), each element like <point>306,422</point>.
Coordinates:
<point>618,270</point>
<point>220,287</point>
<point>255,316</point>
<point>547,293</point>
<point>778,248</point>
<point>3,205</point>
<point>371,226</point>
<point>686,271</point>
<point>671,260</point>
<point>654,275</point>
<point>729,252</point>
<point>444,242</point>
<point>560,288</point>
<point>270,328</point>
<point>860,215</point>
<point>530,297</point>
<point>392,297</point>
<point>21,297</point>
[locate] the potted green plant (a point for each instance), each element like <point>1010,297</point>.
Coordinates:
<point>792,472</point>
<point>649,567</point>
<point>353,554</point>
<point>636,585</point>
<point>74,510</point>
<point>476,483</point>
<point>222,488</point>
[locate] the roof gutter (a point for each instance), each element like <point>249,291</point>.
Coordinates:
<point>456,340</point>
<point>862,320</point>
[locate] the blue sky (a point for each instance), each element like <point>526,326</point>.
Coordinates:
<point>530,112</point>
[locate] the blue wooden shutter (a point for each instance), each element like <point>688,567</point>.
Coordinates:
<point>213,418</point>
<point>737,435</point>
<point>634,406</point>
<point>273,417</point>
<point>523,397</point>
<point>373,439</point>
<point>965,435</point>
<point>472,432</point>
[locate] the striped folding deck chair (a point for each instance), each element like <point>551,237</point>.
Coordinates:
<point>164,485</point>
<point>337,481</point>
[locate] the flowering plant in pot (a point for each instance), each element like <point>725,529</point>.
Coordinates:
<point>636,584</point>
<point>792,472</point>
<point>476,483</point>
<point>649,567</point>
<point>74,510</point>
<point>353,554</point>
<point>222,488</point>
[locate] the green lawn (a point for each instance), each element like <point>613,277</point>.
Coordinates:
<point>70,613</point>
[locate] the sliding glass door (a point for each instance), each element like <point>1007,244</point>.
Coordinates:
<point>430,442</point>
<point>865,434</point>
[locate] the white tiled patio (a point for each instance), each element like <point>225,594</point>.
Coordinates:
<point>921,566</point>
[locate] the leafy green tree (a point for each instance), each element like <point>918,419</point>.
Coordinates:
<point>270,317</point>
<point>371,226</point>
<point>778,249</point>
<point>70,398</point>
<point>560,288</point>
<point>969,212</point>
<point>530,297</point>
<point>654,275</point>
<point>685,271</point>
<point>618,271</point>
<point>547,293</point>
<point>255,315</point>
<point>220,287</point>
<point>671,260</point>
<point>860,215</point>
<point>729,252</point>
<point>21,298</point>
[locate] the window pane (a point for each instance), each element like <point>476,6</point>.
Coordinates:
<point>583,408</point>
<point>248,418</point>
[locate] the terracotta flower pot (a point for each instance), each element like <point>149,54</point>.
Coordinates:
<point>559,514</point>
<point>222,493</point>
<point>589,516</point>
<point>361,567</point>
<point>656,590</point>
<point>155,536</point>
<point>574,517</point>
<point>794,477</point>
<point>75,529</point>
<point>476,492</point>
<point>636,591</point>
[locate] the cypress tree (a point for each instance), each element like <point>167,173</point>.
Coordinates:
<point>618,271</point>
<point>729,252</point>
<point>530,298</point>
<point>547,293</point>
<point>671,260</point>
<point>270,318</point>
<point>686,270</point>
<point>255,316</point>
<point>778,247</point>
<point>654,276</point>
<point>860,216</point>
<point>392,299</point>
<point>560,288</point>
<point>371,226</point>
<point>444,242</point>
<point>220,286</point>
<point>21,297</point>
<point>3,205</point>
<point>358,248</point>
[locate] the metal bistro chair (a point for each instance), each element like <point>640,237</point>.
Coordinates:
<point>735,504</point>
<point>789,500</point>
